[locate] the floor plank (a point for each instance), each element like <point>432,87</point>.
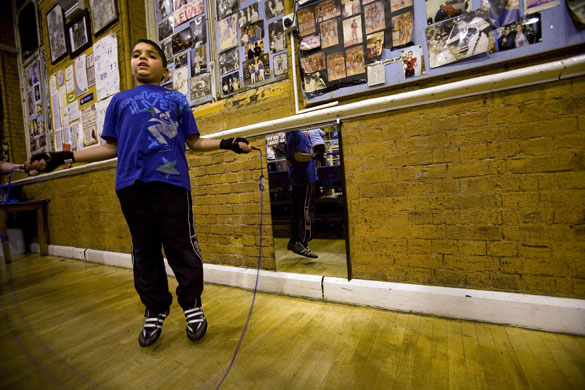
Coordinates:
<point>68,324</point>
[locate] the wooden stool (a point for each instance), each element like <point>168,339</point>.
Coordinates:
<point>42,224</point>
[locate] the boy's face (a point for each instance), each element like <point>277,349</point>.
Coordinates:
<point>147,65</point>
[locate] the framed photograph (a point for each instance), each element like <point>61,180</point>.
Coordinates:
<point>104,13</point>
<point>201,86</point>
<point>56,30</point>
<point>79,34</point>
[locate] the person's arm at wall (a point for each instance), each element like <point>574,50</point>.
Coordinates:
<point>198,144</point>
<point>97,153</point>
<point>7,166</point>
<point>49,161</point>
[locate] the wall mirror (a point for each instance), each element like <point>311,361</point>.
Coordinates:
<point>329,220</point>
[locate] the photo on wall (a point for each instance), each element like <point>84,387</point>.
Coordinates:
<point>199,31</point>
<point>256,70</point>
<point>350,7</point>
<point>248,15</point>
<point>200,86</point>
<point>326,9</point>
<point>313,62</point>
<point>412,61</point>
<point>181,59</point>
<point>441,10</point>
<point>374,17</point>
<point>354,61</point>
<point>402,28</point>
<point>227,7</point>
<point>167,48</point>
<point>274,8</point>
<point>280,64</point>
<point>253,32</point>
<point>522,33</point>
<point>310,42</point>
<point>397,5</point>
<point>329,33</point>
<point>165,29</point>
<point>228,32</point>
<point>277,36</point>
<point>164,8</point>
<point>306,21</point>
<point>466,36</point>
<point>230,83</point>
<point>255,49</point>
<point>181,80</point>
<point>182,41</point>
<point>374,46</point>
<point>502,12</point>
<point>352,31</point>
<point>313,83</point>
<point>335,66</point>
<point>229,61</point>
<point>198,60</point>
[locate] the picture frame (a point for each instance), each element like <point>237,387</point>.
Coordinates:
<point>79,34</point>
<point>104,13</point>
<point>58,42</point>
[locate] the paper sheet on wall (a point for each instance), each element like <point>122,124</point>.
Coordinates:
<point>100,116</point>
<point>69,79</point>
<point>107,75</point>
<point>376,74</point>
<point>56,113</point>
<point>80,76</point>
<point>76,136</point>
<point>90,70</point>
<point>74,113</point>
<point>53,85</point>
<point>88,121</point>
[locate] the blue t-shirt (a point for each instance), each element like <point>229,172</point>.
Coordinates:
<point>300,173</point>
<point>150,124</point>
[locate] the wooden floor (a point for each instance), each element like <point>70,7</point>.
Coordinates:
<point>68,324</point>
<point>331,261</point>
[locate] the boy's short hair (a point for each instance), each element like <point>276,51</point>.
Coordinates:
<point>156,47</point>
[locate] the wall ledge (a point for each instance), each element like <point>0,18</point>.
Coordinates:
<point>561,315</point>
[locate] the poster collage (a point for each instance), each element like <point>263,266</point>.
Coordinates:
<point>79,95</point>
<point>339,38</point>
<point>39,142</point>
<point>342,41</point>
<point>251,45</point>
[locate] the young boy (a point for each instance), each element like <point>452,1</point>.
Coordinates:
<point>147,127</point>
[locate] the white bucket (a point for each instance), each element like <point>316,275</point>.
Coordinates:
<point>16,240</point>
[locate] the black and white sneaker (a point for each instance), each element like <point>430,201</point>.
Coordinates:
<point>300,249</point>
<point>152,328</point>
<point>196,322</point>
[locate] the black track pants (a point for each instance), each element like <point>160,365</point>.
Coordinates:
<point>160,214</point>
<point>302,213</point>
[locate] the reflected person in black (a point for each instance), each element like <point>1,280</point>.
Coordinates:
<point>302,176</point>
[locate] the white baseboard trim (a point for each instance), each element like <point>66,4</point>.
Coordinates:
<point>562,315</point>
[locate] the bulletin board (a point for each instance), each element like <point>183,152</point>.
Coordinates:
<point>251,44</point>
<point>350,63</point>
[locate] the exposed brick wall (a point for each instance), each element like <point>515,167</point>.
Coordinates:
<point>11,100</point>
<point>483,192</point>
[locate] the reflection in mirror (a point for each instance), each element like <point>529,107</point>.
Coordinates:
<point>305,175</point>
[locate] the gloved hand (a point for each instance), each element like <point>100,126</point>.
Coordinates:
<point>233,144</point>
<point>52,160</point>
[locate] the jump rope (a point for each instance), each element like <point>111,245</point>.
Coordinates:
<point>245,329</point>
